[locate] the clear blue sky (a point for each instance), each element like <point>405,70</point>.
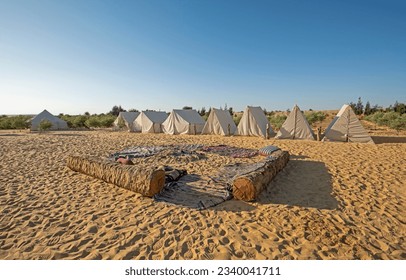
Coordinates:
<point>77,56</point>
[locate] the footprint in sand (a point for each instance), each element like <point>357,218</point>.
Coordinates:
<point>176,221</point>
<point>54,240</point>
<point>250,253</point>
<point>131,255</point>
<point>188,255</point>
<point>158,245</point>
<point>224,240</point>
<point>168,242</point>
<point>169,254</point>
<point>208,256</point>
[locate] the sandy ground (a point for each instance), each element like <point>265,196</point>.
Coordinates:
<point>332,201</point>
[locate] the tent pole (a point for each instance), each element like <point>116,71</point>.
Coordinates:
<point>294,129</point>
<point>348,127</point>
<point>267,131</point>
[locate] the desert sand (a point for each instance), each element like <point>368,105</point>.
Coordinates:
<point>332,201</point>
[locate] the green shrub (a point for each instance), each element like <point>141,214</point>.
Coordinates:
<point>6,123</point>
<point>393,120</point>
<point>79,121</point>
<point>14,122</point>
<point>107,120</point>
<point>121,123</point>
<point>20,122</point>
<point>237,119</point>
<point>313,117</point>
<point>45,125</point>
<point>93,122</point>
<point>277,120</point>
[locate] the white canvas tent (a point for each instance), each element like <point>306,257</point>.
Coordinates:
<point>295,126</point>
<point>346,127</point>
<point>219,122</point>
<point>56,122</point>
<point>150,121</point>
<point>254,122</point>
<point>183,122</point>
<point>125,119</point>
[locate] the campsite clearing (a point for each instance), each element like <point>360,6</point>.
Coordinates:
<point>332,201</point>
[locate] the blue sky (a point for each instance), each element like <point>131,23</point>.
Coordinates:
<point>77,56</point>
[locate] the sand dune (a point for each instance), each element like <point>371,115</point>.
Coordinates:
<point>332,201</point>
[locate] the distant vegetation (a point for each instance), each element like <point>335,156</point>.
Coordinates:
<point>393,120</point>
<point>360,109</point>
<point>313,117</point>
<point>277,120</point>
<point>237,119</point>
<point>85,121</point>
<point>394,117</point>
<point>14,122</point>
<point>45,125</point>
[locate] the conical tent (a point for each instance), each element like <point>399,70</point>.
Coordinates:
<point>56,122</point>
<point>126,119</point>
<point>219,122</point>
<point>295,126</point>
<point>254,122</point>
<point>346,127</point>
<point>183,122</point>
<point>150,121</point>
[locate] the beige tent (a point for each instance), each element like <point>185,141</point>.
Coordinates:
<point>56,122</point>
<point>150,121</point>
<point>183,122</point>
<point>346,127</point>
<point>295,126</point>
<point>219,122</point>
<point>254,122</point>
<point>125,119</point>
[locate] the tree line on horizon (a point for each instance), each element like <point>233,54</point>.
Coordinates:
<point>393,116</point>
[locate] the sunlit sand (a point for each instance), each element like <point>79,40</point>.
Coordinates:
<point>332,201</point>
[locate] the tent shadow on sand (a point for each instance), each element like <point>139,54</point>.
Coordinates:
<point>388,139</point>
<point>10,135</point>
<point>302,183</point>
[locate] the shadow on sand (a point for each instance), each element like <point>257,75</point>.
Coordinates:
<point>10,135</point>
<point>302,183</point>
<point>388,139</point>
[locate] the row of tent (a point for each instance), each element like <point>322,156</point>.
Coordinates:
<point>253,122</point>
<point>345,127</point>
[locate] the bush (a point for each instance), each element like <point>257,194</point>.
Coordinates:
<point>313,117</point>
<point>237,119</point>
<point>393,120</point>
<point>15,122</point>
<point>20,122</point>
<point>100,121</point>
<point>107,120</point>
<point>45,125</point>
<point>121,123</point>
<point>277,120</point>
<point>79,121</point>
<point>92,122</point>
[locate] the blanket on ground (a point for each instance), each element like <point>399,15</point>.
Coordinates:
<point>194,191</point>
<point>234,152</point>
<point>147,151</point>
